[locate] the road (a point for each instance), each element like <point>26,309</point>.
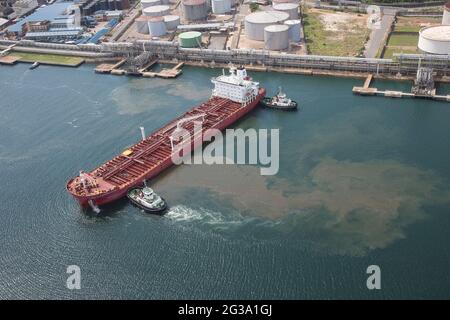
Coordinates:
<point>378,36</point>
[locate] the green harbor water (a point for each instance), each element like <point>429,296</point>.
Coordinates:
<point>362,181</point>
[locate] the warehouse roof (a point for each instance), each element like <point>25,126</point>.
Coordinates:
<point>48,12</point>
<point>56,33</point>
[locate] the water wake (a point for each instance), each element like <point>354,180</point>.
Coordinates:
<point>229,223</point>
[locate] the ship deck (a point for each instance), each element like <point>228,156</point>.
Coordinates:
<point>138,161</point>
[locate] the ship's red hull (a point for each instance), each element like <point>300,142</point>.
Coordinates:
<point>120,192</point>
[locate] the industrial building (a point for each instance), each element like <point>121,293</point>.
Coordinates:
<point>102,32</point>
<point>108,15</point>
<point>6,9</point>
<point>89,7</point>
<point>55,34</point>
<point>53,13</point>
<point>11,9</point>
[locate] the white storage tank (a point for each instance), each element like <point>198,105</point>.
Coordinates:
<point>446,15</point>
<point>276,37</point>
<point>194,9</point>
<point>221,6</point>
<point>156,26</point>
<point>294,30</point>
<point>156,11</point>
<point>435,40</point>
<point>285,1</point>
<point>142,24</point>
<point>257,21</point>
<point>171,21</point>
<point>290,8</point>
<point>149,3</point>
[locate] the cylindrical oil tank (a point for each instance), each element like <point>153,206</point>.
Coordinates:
<point>149,3</point>
<point>284,1</point>
<point>290,8</point>
<point>190,39</point>
<point>156,11</point>
<point>142,24</point>
<point>221,6</point>
<point>156,26</point>
<point>276,37</point>
<point>257,21</point>
<point>446,15</point>
<point>294,30</point>
<point>172,22</point>
<point>435,40</point>
<point>194,9</point>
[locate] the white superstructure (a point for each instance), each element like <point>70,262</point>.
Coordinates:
<point>236,86</point>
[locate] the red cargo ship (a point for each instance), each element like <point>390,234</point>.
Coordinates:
<point>233,96</point>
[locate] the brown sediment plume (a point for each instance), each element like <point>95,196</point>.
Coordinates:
<point>353,206</point>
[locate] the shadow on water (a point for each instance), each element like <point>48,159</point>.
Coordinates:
<point>116,208</point>
<point>110,210</point>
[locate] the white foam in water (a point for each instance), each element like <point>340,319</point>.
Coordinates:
<point>183,213</point>
<point>214,220</point>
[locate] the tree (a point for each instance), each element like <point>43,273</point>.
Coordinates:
<point>254,6</point>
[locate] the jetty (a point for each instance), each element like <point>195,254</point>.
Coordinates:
<point>418,92</point>
<point>9,60</point>
<point>166,73</point>
<point>108,67</point>
<point>121,68</point>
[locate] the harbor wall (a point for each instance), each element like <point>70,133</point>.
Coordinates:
<point>404,65</point>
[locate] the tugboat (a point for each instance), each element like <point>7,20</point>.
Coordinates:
<point>146,199</point>
<point>280,102</point>
<point>34,65</point>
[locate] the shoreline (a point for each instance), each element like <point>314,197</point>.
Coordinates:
<point>96,58</point>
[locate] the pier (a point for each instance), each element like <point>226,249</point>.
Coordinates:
<point>108,67</point>
<point>9,60</point>
<point>166,73</point>
<point>366,90</point>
